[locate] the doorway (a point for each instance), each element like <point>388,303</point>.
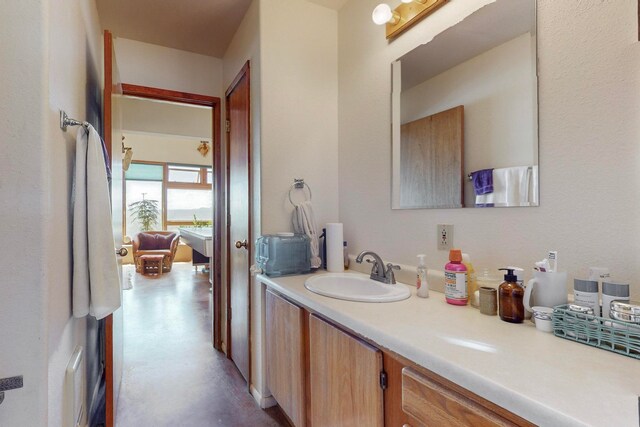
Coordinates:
<point>207,176</point>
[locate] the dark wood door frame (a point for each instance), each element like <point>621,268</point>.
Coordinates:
<point>218,197</point>
<point>107,136</point>
<point>244,72</point>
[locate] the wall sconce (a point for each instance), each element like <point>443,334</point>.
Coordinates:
<point>408,13</point>
<point>203,148</point>
<point>128,156</point>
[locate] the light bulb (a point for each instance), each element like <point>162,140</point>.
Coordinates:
<point>407,1</point>
<point>382,14</point>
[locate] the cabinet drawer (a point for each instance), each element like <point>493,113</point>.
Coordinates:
<point>433,403</point>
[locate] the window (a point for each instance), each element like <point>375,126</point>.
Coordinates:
<point>182,191</point>
<point>143,181</point>
<point>181,174</point>
<point>185,174</point>
<point>184,204</point>
<point>189,195</point>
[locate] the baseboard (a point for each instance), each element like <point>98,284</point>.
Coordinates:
<point>264,402</point>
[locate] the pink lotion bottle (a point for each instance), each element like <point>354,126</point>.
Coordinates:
<point>456,290</point>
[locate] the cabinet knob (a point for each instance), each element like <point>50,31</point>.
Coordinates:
<point>242,244</point>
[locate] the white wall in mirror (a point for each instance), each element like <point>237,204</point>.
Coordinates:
<point>493,74</point>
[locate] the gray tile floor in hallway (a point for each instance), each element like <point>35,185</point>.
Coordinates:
<point>172,375</point>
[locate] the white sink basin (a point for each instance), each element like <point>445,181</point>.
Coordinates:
<point>356,287</point>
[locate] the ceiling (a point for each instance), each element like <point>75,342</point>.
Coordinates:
<point>200,26</point>
<point>331,4</point>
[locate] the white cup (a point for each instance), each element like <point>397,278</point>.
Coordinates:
<point>543,318</point>
<point>546,289</point>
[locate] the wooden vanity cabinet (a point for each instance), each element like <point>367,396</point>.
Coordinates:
<point>344,378</point>
<point>321,376</point>
<point>285,353</point>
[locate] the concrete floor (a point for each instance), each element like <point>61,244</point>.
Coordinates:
<point>172,375</point>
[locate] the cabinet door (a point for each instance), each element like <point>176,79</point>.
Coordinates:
<point>433,403</point>
<point>344,377</point>
<point>285,356</point>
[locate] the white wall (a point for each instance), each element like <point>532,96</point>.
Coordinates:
<point>589,78</point>
<point>151,116</point>
<point>299,81</point>
<point>166,148</point>
<point>24,119</point>
<point>75,68</point>
<point>54,65</point>
<point>146,64</point>
<point>299,109</point>
<point>496,89</point>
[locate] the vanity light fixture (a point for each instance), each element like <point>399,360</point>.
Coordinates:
<point>383,14</point>
<point>408,13</point>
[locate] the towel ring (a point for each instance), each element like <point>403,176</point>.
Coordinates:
<point>299,184</point>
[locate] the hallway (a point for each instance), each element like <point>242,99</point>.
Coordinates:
<point>172,375</point>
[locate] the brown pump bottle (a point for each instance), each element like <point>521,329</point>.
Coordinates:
<point>510,294</point>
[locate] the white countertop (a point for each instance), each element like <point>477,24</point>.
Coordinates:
<point>545,379</point>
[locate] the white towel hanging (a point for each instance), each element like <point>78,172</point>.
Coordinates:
<point>96,279</point>
<point>304,222</point>
<point>511,187</point>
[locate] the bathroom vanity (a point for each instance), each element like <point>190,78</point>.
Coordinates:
<point>424,362</point>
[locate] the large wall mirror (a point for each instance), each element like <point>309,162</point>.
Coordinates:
<point>465,114</point>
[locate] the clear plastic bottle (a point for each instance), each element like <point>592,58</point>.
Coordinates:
<point>472,282</point>
<point>421,277</point>
<point>455,279</point>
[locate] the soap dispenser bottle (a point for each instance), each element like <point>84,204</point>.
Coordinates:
<point>510,294</point>
<point>421,279</point>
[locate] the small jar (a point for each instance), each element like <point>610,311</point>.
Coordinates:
<point>625,311</point>
<point>585,293</point>
<point>488,301</point>
<point>613,291</point>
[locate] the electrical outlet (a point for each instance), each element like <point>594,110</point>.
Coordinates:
<point>445,237</point>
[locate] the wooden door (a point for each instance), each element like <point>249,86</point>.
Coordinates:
<point>238,222</point>
<point>431,161</point>
<point>112,134</point>
<point>344,378</point>
<point>284,327</point>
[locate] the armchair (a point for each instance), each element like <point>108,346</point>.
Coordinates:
<point>155,243</point>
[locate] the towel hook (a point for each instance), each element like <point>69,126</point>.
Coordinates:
<point>299,184</point>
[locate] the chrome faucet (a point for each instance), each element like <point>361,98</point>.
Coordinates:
<point>378,270</point>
